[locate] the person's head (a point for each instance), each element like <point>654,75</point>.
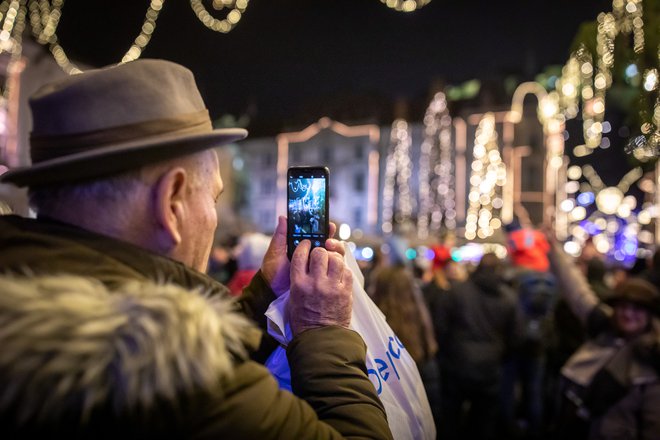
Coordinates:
<point>634,302</point>
<point>489,263</point>
<point>251,249</point>
<point>126,151</point>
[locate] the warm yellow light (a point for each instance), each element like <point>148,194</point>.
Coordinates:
<point>574,172</point>
<point>599,106</point>
<point>572,248</point>
<point>578,213</point>
<point>644,217</point>
<point>609,199</point>
<point>567,205</point>
<point>602,246</point>
<point>623,211</point>
<point>568,89</point>
<point>556,162</point>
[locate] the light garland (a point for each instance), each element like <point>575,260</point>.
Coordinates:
<point>405,5</point>
<point>12,17</point>
<point>437,194</point>
<point>44,19</point>
<point>627,18</point>
<point>614,224</point>
<point>398,170</point>
<point>487,178</point>
<point>236,9</point>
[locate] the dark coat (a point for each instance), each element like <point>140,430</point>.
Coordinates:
<point>477,325</point>
<point>63,374</point>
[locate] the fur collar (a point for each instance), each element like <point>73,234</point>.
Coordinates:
<point>70,342</point>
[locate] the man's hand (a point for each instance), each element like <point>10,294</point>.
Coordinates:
<point>321,289</point>
<point>275,266</point>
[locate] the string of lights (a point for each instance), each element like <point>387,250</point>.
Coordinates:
<point>45,16</point>
<point>607,214</point>
<point>487,178</point>
<point>12,17</point>
<point>596,78</point>
<point>235,13</point>
<point>398,170</point>
<point>437,194</point>
<point>405,5</point>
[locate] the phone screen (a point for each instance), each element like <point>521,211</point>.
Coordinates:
<point>307,206</point>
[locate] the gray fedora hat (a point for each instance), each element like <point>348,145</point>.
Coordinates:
<point>114,119</point>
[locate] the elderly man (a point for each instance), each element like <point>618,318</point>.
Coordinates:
<point>97,339</point>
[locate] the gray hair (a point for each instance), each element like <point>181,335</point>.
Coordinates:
<point>53,201</point>
<point>57,201</point>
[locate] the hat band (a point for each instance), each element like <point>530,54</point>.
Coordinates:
<point>52,147</point>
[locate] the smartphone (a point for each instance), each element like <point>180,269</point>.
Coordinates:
<point>307,206</point>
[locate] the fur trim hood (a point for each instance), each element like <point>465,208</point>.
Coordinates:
<point>70,343</point>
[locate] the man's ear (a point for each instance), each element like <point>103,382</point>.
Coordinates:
<point>169,205</point>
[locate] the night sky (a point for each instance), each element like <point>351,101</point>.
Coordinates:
<point>284,54</point>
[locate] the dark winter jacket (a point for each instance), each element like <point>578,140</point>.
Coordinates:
<point>478,327</point>
<point>101,339</point>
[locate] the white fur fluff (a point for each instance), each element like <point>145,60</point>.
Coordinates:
<point>69,339</point>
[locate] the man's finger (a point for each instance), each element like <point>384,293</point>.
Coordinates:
<point>278,242</point>
<point>347,277</point>
<point>318,263</point>
<point>333,245</point>
<point>335,266</point>
<point>299,260</point>
<point>333,230</point>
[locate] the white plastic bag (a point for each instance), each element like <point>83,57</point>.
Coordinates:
<point>391,368</point>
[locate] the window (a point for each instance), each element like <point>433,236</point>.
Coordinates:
<point>268,159</point>
<point>296,155</point>
<point>267,186</point>
<point>357,217</point>
<point>266,219</point>
<point>359,151</point>
<point>358,182</point>
<point>326,154</point>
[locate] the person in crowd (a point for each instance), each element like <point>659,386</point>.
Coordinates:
<point>222,261</point>
<point>456,271</point>
<point>249,253</point>
<point>536,292</point>
<point>397,295</point>
<point>479,328</point>
<point>124,180</point>
<point>653,274</point>
<point>439,284</point>
<point>596,271</point>
<point>612,383</point>
<point>438,279</point>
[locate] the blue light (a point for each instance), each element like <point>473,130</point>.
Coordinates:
<point>590,227</point>
<point>585,198</point>
<point>430,255</point>
<point>631,70</point>
<point>630,248</point>
<point>411,253</point>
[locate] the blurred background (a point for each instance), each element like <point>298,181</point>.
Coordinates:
<point>436,118</point>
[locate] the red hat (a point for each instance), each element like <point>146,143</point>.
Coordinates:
<point>441,256</point>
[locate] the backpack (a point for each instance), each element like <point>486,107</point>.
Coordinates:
<point>537,292</point>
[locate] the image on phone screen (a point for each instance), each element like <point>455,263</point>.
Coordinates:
<point>307,207</point>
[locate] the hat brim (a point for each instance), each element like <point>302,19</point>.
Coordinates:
<point>117,158</point>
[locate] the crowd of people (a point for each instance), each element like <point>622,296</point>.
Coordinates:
<point>115,318</point>
<point>537,345</point>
